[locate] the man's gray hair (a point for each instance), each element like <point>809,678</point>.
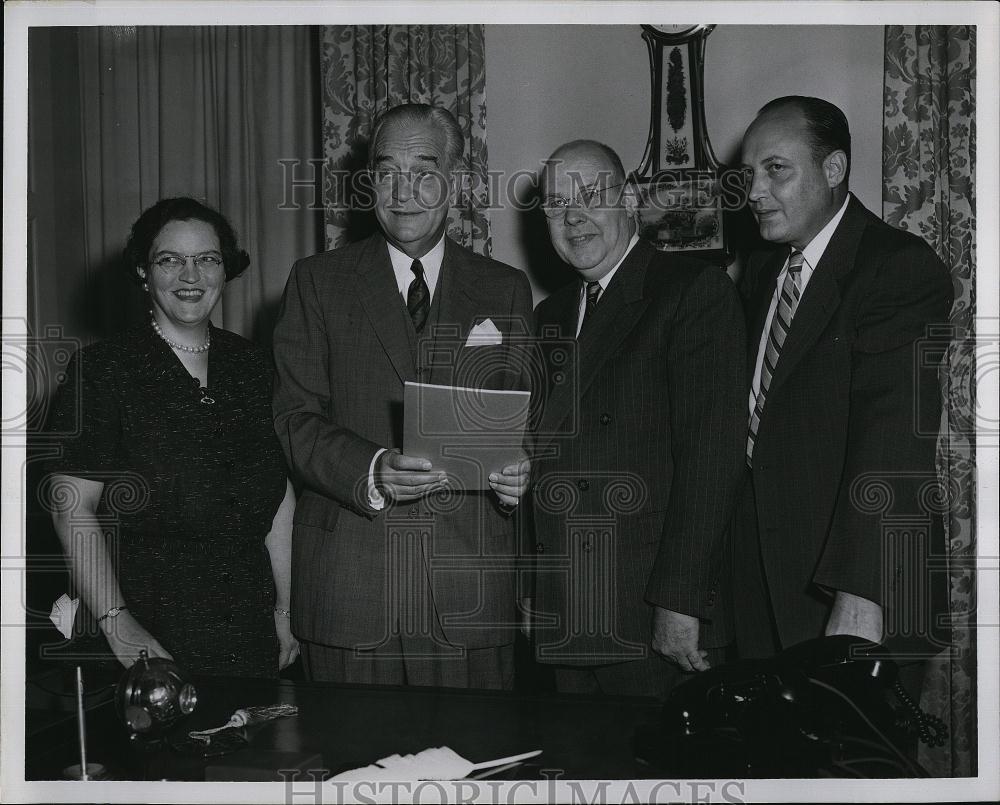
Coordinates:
<point>419,113</point>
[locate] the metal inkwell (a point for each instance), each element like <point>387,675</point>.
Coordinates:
<point>153,695</point>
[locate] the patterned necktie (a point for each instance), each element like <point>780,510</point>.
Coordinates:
<point>593,291</point>
<point>418,297</point>
<point>782,321</point>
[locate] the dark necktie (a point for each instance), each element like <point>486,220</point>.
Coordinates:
<point>788,301</point>
<point>418,297</point>
<point>593,291</point>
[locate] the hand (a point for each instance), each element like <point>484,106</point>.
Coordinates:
<point>675,636</point>
<point>512,481</point>
<point>404,478</point>
<point>288,646</point>
<point>854,615</point>
<point>126,637</point>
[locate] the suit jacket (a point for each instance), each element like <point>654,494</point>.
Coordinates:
<point>638,458</point>
<point>344,344</point>
<point>843,464</point>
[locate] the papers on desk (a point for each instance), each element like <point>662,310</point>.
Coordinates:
<point>439,763</point>
<point>466,432</point>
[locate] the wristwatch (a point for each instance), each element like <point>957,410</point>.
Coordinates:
<point>112,613</point>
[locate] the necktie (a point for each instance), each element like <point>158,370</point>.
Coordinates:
<point>418,297</point>
<point>593,291</point>
<point>788,301</point>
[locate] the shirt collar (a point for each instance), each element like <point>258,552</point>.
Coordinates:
<point>813,252</point>
<point>606,279</point>
<point>431,262</point>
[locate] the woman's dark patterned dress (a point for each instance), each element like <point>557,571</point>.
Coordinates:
<point>190,490</point>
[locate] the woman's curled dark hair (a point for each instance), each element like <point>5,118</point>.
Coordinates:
<point>149,224</point>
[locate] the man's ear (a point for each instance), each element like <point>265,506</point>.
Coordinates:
<point>835,168</point>
<point>630,197</point>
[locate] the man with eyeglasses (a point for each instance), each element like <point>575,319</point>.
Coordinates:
<point>639,448</point>
<point>397,577</point>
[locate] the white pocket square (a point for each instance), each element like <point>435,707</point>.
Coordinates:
<point>483,334</point>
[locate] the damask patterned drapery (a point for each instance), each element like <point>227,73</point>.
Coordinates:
<point>929,153</point>
<point>369,68</point>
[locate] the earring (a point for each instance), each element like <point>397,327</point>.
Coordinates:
<point>145,286</point>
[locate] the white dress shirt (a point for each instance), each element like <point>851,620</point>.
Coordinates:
<point>604,281</point>
<point>401,267</point>
<point>431,262</point>
<point>812,254</point>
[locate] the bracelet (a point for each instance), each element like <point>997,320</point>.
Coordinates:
<point>285,612</point>
<point>111,613</point>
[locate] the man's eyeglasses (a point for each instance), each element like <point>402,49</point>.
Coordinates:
<point>175,262</point>
<point>588,198</point>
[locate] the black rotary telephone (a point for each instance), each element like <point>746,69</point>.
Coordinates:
<point>818,709</point>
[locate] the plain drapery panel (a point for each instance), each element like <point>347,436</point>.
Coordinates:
<point>228,115</point>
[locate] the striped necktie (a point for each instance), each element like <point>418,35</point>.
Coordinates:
<point>593,291</point>
<point>418,297</point>
<point>788,301</point>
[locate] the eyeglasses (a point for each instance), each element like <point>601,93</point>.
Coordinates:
<point>175,262</point>
<point>588,198</point>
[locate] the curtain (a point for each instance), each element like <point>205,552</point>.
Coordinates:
<point>224,114</point>
<point>369,68</point>
<point>929,152</point>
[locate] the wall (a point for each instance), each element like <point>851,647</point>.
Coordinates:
<point>550,83</point>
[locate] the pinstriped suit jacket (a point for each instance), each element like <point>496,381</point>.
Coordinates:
<point>343,346</point>
<point>847,438</point>
<point>639,454</point>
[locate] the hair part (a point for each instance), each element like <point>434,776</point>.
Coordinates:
<point>183,208</point>
<point>826,125</point>
<point>419,114</point>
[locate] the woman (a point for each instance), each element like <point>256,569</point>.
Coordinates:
<point>172,502</point>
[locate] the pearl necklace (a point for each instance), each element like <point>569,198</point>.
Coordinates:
<point>184,347</point>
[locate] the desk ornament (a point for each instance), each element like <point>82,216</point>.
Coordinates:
<point>153,695</point>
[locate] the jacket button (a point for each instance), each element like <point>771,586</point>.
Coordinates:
<point>605,419</point>
<point>539,547</point>
<point>583,484</point>
<point>232,659</point>
<point>558,377</point>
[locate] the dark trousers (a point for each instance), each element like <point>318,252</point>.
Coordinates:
<point>391,664</point>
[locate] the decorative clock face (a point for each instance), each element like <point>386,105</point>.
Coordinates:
<point>674,30</point>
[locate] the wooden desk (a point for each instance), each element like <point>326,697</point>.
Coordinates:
<point>352,726</point>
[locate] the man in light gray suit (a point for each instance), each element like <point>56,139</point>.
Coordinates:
<point>396,578</point>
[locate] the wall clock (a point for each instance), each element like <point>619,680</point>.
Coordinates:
<point>680,180</point>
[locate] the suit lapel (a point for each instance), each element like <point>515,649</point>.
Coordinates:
<point>462,292</point>
<point>822,294</point>
<point>380,298</point>
<point>618,310</point>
